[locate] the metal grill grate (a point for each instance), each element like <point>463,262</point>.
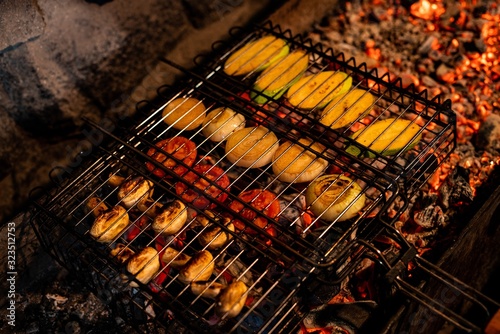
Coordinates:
<point>273,241</point>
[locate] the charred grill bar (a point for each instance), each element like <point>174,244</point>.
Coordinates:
<point>293,255</point>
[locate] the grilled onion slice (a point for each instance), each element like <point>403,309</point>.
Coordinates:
<point>251,147</point>
<point>331,194</point>
<point>144,265</point>
<point>232,299</point>
<point>221,122</point>
<point>293,163</point>
<point>170,218</point>
<point>109,224</point>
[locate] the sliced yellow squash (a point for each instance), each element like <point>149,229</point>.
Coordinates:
<point>387,137</point>
<point>256,56</point>
<point>277,78</point>
<point>347,108</point>
<point>316,90</point>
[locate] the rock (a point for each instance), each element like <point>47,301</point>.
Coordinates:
<point>22,22</point>
<point>202,13</point>
<point>488,136</point>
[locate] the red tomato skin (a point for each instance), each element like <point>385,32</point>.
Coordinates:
<point>186,154</point>
<point>262,200</point>
<point>195,193</point>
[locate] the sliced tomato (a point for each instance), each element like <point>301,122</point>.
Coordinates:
<point>180,148</point>
<point>262,200</point>
<point>203,186</point>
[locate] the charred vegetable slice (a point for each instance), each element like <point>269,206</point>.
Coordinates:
<point>387,137</point>
<point>316,90</point>
<point>331,194</point>
<point>256,56</point>
<point>347,108</point>
<point>277,78</point>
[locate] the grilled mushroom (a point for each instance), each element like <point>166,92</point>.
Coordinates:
<point>170,218</point>
<point>135,190</point>
<point>232,299</point>
<point>198,268</point>
<point>108,225</point>
<point>214,236</point>
<point>122,253</point>
<point>174,258</point>
<point>96,206</point>
<point>144,265</point>
<point>207,289</point>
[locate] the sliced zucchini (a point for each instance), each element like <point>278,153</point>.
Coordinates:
<point>277,78</point>
<point>387,137</point>
<point>347,108</point>
<point>256,56</point>
<point>316,90</point>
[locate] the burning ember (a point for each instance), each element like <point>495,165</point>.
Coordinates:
<point>450,49</point>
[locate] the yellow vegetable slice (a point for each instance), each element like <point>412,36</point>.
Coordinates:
<point>293,163</point>
<point>256,56</point>
<point>388,137</point>
<point>251,147</point>
<point>276,79</point>
<point>347,108</point>
<point>316,90</point>
<point>184,113</point>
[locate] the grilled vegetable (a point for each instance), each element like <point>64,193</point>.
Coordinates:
<point>198,268</point>
<point>262,200</point>
<point>347,108</point>
<point>214,236</point>
<point>316,90</point>
<point>180,148</point>
<point>293,163</point>
<point>134,191</point>
<point>199,186</point>
<point>329,195</point>
<point>170,219</point>
<point>122,253</point>
<point>174,258</point>
<point>110,224</point>
<point>251,147</point>
<point>387,137</point>
<point>144,265</point>
<point>96,206</point>
<point>207,289</point>
<point>232,299</point>
<point>221,122</point>
<point>185,113</point>
<point>256,56</point>
<point>276,79</point>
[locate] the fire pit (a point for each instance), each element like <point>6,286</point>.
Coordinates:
<point>301,272</point>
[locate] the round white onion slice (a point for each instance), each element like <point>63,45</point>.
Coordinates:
<point>294,163</point>
<point>252,147</point>
<point>221,122</point>
<point>331,194</point>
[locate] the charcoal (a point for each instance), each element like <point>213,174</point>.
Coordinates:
<point>456,189</point>
<point>430,217</point>
<point>488,137</point>
<point>343,318</point>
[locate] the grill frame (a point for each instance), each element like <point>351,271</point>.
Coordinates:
<point>119,146</point>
